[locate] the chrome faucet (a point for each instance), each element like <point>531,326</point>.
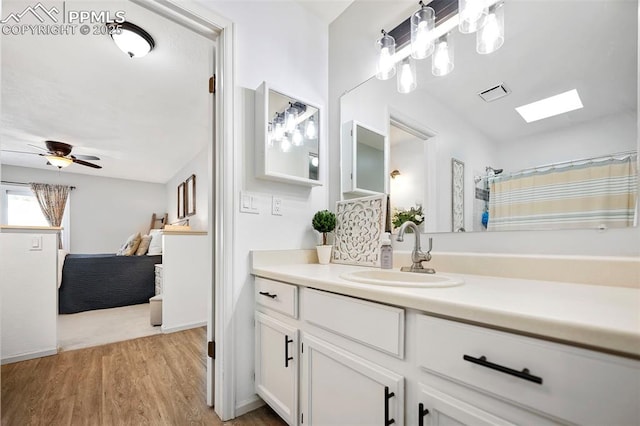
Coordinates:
<point>417,256</point>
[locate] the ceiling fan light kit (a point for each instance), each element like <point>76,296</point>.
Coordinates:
<point>58,154</point>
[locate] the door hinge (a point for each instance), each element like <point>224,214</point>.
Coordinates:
<point>212,84</point>
<point>301,417</point>
<point>302,347</point>
<point>211,349</point>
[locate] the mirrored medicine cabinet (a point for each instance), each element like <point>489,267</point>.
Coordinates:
<point>287,138</point>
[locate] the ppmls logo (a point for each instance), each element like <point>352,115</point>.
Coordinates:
<point>38,11</point>
<point>50,21</point>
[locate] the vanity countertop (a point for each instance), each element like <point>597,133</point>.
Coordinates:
<point>598,317</point>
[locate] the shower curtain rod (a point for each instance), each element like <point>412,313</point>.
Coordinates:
<point>8,182</point>
<point>619,155</point>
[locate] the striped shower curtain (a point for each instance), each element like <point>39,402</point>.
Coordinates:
<point>593,195</point>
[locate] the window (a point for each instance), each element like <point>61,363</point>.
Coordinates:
<point>21,208</point>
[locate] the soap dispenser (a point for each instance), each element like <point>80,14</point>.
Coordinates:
<point>386,252</point>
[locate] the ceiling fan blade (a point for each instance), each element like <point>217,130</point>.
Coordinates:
<point>85,157</point>
<point>85,163</point>
<point>21,152</point>
<point>38,147</point>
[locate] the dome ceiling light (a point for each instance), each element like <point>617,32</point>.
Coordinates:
<point>132,40</point>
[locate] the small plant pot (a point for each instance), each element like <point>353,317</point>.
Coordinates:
<point>324,254</point>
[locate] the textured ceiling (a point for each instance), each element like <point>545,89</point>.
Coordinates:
<point>145,118</point>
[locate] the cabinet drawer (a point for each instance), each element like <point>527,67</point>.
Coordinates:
<point>278,296</point>
<point>373,324</point>
<point>569,383</point>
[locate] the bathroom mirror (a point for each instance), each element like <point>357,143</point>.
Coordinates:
<point>287,138</point>
<point>550,48</point>
<point>363,156</point>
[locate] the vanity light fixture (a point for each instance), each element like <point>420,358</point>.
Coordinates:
<point>407,76</point>
<point>491,37</point>
<point>285,144</point>
<point>429,32</point>
<point>548,107</point>
<point>422,24</point>
<point>386,65</point>
<point>296,137</point>
<point>290,116</point>
<point>131,39</point>
<point>59,162</point>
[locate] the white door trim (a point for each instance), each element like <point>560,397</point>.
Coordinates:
<point>200,19</point>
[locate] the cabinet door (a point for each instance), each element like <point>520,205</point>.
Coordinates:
<point>277,366</point>
<point>440,409</point>
<point>339,388</point>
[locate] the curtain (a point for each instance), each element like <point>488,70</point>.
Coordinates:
<point>592,195</point>
<point>52,200</point>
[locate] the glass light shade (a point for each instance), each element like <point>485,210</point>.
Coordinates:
<point>442,59</point>
<point>278,131</point>
<point>407,81</point>
<point>472,15</point>
<point>132,40</point>
<point>296,138</point>
<point>59,162</point>
<point>422,25</point>
<point>311,131</point>
<point>491,37</point>
<point>290,116</point>
<point>285,144</point>
<point>386,67</point>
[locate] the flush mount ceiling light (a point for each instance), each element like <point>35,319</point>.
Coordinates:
<point>428,32</point>
<point>132,40</point>
<point>548,107</point>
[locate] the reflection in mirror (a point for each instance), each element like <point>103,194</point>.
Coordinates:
<point>576,154</point>
<point>287,138</point>
<point>364,151</point>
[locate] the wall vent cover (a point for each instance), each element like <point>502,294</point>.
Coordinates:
<point>495,92</point>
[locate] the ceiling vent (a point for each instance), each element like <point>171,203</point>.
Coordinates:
<point>495,92</point>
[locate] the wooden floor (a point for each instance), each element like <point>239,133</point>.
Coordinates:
<point>155,380</point>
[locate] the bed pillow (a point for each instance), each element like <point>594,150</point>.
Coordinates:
<point>155,246</point>
<point>144,245</point>
<point>130,246</point>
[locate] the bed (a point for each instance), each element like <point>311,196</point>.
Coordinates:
<point>100,281</point>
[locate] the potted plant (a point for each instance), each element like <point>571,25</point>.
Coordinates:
<point>324,222</point>
<point>414,214</point>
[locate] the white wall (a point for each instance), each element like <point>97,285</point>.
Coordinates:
<point>280,42</point>
<point>29,295</point>
<point>199,167</point>
<point>352,60</point>
<point>104,211</point>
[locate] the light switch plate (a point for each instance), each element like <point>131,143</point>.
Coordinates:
<point>36,244</point>
<point>248,203</point>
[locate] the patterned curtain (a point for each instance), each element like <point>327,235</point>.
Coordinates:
<point>52,200</point>
<point>602,194</point>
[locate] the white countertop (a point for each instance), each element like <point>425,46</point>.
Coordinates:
<point>599,317</point>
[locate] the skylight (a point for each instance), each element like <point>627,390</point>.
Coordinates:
<point>548,107</point>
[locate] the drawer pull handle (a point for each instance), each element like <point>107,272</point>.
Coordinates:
<point>287,358</point>
<point>266,293</point>
<point>421,413</point>
<point>387,396</point>
<point>524,374</point>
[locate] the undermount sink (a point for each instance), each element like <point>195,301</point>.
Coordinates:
<point>397,278</point>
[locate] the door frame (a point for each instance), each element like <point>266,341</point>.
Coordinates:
<point>220,374</point>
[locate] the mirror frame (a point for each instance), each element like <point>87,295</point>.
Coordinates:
<point>349,159</point>
<point>261,142</point>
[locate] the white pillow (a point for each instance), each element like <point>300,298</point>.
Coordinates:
<point>155,246</point>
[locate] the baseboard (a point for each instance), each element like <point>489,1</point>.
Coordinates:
<point>247,405</point>
<point>182,327</point>
<point>31,355</point>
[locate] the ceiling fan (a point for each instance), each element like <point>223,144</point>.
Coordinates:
<point>59,154</point>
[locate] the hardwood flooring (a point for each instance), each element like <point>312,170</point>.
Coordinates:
<point>155,380</point>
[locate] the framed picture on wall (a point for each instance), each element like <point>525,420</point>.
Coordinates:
<point>190,196</point>
<point>181,200</point>
<point>457,195</point>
